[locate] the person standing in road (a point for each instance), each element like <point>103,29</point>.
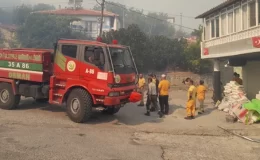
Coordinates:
<point>163,88</point>
<point>152,98</point>
<point>201,94</point>
<point>156,82</point>
<point>190,106</point>
<point>237,79</point>
<point>141,84</point>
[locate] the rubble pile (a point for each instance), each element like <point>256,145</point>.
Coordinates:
<point>236,104</point>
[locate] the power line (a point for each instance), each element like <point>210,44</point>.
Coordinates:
<point>150,16</point>
<point>170,14</point>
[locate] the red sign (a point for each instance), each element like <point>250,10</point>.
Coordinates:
<point>256,42</point>
<point>205,51</point>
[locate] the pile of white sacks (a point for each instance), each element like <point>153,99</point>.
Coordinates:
<point>233,100</point>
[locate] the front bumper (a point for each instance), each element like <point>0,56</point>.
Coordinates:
<point>113,101</point>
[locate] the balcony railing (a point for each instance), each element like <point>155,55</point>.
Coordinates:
<point>251,32</point>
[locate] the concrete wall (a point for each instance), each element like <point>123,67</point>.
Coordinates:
<point>251,78</point>
<point>226,73</point>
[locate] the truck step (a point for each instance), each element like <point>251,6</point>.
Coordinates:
<point>58,95</point>
<point>60,85</point>
<point>56,102</point>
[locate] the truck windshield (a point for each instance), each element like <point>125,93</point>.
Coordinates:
<point>122,60</point>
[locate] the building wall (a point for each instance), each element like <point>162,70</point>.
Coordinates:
<point>232,30</point>
<point>107,25</point>
<point>226,73</point>
<point>239,71</point>
<point>251,78</point>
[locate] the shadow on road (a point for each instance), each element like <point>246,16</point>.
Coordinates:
<point>131,114</point>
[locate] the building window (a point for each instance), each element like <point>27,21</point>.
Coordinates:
<point>252,14</point>
<point>212,22</point>
<point>237,20</point>
<point>223,24</point>
<point>230,23</point>
<point>244,17</point>
<point>217,27</point>
<point>207,30</point>
<point>69,50</point>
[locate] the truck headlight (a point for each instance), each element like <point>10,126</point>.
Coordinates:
<point>113,94</point>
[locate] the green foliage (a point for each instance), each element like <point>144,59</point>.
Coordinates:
<point>151,24</point>
<point>1,40</point>
<point>41,31</point>
<point>159,52</point>
<point>43,7</point>
<point>6,16</point>
<point>22,12</point>
<point>78,3</point>
<point>192,55</point>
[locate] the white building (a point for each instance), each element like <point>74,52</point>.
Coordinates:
<point>232,33</point>
<point>89,22</point>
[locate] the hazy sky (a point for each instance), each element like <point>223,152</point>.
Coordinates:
<point>189,8</point>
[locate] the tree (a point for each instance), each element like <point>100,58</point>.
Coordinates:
<point>1,40</point>
<point>43,7</point>
<point>193,55</point>
<point>6,16</point>
<point>41,31</point>
<point>150,52</point>
<point>198,33</point>
<point>21,13</point>
<point>78,3</point>
<point>150,24</point>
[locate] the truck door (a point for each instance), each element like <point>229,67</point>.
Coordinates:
<point>93,62</point>
<point>66,61</point>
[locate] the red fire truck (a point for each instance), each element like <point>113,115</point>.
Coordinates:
<point>83,74</point>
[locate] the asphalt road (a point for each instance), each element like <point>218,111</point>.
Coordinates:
<point>44,132</point>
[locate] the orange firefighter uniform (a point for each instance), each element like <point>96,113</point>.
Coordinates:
<point>201,94</point>
<point>191,104</point>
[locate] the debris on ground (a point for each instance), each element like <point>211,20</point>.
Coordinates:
<point>238,135</point>
<point>238,106</point>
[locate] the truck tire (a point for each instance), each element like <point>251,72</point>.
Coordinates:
<point>111,110</point>
<point>79,105</point>
<point>8,100</point>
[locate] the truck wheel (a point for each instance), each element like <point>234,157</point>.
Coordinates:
<point>111,110</point>
<point>8,100</point>
<point>79,105</point>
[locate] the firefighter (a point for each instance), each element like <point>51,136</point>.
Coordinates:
<point>163,88</point>
<point>152,97</point>
<point>191,103</point>
<point>141,84</point>
<point>201,94</point>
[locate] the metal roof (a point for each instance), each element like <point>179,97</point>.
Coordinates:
<point>217,8</point>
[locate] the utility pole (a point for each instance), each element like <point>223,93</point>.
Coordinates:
<point>123,18</point>
<point>102,17</point>
<point>74,5</point>
<point>181,22</point>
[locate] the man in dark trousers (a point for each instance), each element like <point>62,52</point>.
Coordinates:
<point>164,87</point>
<point>156,82</point>
<point>152,97</point>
